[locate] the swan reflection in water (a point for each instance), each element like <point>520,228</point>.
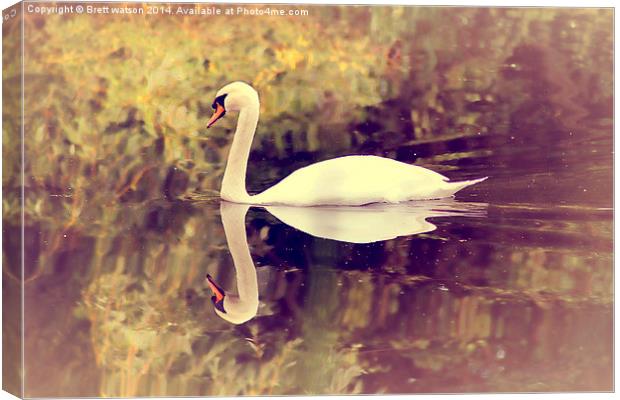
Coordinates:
<point>371,223</point>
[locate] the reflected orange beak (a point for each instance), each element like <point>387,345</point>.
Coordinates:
<point>217,291</point>
<point>219,113</point>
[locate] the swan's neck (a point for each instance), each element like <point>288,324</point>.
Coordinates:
<point>233,185</point>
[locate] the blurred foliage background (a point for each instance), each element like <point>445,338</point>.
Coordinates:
<point>117,244</point>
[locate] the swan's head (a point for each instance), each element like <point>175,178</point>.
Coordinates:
<point>233,97</point>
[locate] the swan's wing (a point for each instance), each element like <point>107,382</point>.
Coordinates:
<point>353,180</point>
<point>377,165</point>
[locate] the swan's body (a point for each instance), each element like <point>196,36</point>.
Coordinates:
<point>351,180</point>
<point>359,180</point>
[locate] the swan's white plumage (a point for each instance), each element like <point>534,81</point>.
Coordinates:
<point>357,180</point>
<point>350,180</point>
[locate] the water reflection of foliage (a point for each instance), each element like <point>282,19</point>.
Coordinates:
<point>146,316</point>
<point>155,332</point>
<point>362,312</point>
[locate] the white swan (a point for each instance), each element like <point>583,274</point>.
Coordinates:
<point>350,180</point>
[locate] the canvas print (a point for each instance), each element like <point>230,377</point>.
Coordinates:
<point>293,199</point>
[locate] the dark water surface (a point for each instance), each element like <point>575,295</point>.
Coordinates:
<point>507,287</point>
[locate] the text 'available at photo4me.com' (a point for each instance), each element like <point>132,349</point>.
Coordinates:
<point>164,9</point>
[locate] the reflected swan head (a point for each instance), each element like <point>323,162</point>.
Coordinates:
<point>218,295</point>
<point>235,309</point>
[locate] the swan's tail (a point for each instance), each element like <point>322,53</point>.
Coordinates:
<point>456,186</point>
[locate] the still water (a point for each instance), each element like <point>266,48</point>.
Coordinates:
<point>472,294</point>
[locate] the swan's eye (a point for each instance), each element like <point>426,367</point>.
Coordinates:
<point>219,100</point>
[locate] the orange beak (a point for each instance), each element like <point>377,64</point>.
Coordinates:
<point>219,113</point>
<point>217,291</point>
